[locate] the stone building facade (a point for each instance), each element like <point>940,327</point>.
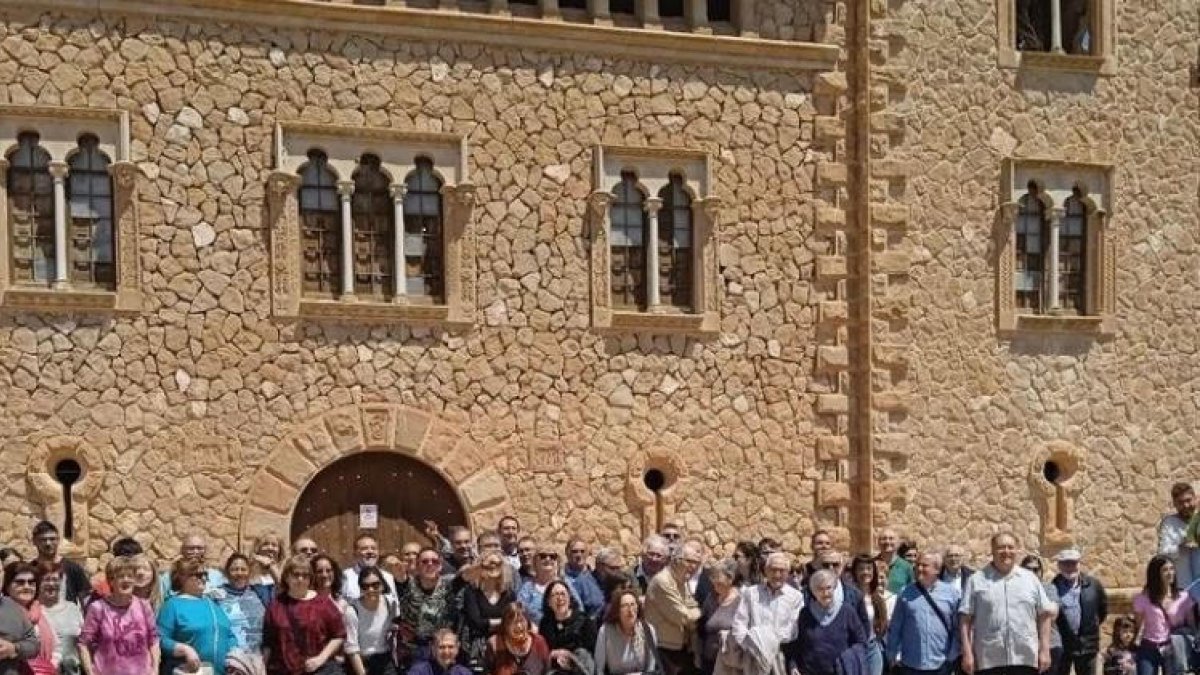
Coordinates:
<point>902,279</point>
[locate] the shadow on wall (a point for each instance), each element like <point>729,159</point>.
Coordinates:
<point>1051,344</point>
<point>1055,81</point>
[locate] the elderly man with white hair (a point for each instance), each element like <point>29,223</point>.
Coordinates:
<point>672,610</point>
<point>767,618</point>
<point>655,554</point>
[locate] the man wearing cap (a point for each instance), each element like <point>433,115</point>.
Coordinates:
<point>1083,606</point>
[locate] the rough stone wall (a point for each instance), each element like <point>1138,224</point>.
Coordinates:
<point>189,397</point>
<point>983,408</point>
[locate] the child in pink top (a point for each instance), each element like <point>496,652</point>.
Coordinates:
<point>120,635</point>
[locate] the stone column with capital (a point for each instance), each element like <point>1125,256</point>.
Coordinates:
<point>58,171</point>
<point>652,206</point>
<point>1056,216</point>
<point>399,274</point>
<point>345,190</point>
<point>601,273</point>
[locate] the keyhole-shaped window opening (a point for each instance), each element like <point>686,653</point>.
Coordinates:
<point>68,472</point>
<point>655,480</point>
<point>1056,474</point>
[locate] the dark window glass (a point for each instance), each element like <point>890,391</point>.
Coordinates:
<point>31,211</point>
<point>627,242</point>
<point>423,266</point>
<point>320,227</point>
<point>91,248</point>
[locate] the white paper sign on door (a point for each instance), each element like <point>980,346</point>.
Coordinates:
<point>368,516</point>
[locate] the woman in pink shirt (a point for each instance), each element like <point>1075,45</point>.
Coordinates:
<point>1159,608</point>
<point>119,635</point>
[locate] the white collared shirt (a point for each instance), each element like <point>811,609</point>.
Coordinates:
<point>1004,611</point>
<point>760,606</point>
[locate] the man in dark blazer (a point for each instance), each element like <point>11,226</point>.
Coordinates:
<point>1083,607</point>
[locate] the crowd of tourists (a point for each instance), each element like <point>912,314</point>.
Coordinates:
<point>502,603</point>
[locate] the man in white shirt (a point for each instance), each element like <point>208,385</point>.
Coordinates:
<point>768,616</point>
<point>366,550</point>
<point>1005,617</point>
<point>1172,533</point>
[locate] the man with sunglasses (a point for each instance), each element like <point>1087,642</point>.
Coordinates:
<point>843,593</point>
<point>193,547</point>
<point>366,551</point>
<point>655,554</point>
<point>305,547</point>
<point>820,542</point>
<point>427,605</point>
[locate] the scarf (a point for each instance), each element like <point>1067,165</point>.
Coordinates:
<point>825,616</point>
<point>42,663</point>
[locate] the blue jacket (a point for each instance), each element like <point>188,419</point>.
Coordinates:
<point>588,589</point>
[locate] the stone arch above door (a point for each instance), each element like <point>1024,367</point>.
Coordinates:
<point>280,480</point>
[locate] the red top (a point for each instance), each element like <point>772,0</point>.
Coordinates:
<point>503,662</point>
<point>316,622</point>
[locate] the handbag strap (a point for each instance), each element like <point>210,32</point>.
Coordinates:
<point>936,610</point>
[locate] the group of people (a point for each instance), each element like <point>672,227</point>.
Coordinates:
<point>501,603</point>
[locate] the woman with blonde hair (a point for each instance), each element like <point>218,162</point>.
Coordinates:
<point>145,584</point>
<point>266,555</point>
<point>119,632</point>
<point>487,594</point>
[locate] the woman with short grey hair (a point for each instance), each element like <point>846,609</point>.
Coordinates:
<point>719,653</point>
<point>828,627</point>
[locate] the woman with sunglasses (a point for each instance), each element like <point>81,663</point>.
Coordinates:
<point>119,632</point>
<point>303,629</point>
<point>487,594</point>
<point>65,618</point>
<point>192,628</point>
<point>532,592</point>
<point>368,626</point>
<point>516,649</point>
<point>21,584</point>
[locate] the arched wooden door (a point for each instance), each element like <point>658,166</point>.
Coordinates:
<point>335,506</point>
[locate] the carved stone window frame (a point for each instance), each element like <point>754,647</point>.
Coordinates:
<point>1102,60</point>
<point>398,150</point>
<point>59,129</point>
<point>1057,179</point>
<point>653,166</point>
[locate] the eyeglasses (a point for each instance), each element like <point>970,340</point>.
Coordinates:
<point>430,561</point>
<point>547,556</point>
<point>372,586</point>
<point>830,565</point>
<point>307,550</point>
<point>670,535</point>
<point>24,582</point>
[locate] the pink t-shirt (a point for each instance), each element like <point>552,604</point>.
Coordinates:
<point>1156,623</point>
<point>119,638</point>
